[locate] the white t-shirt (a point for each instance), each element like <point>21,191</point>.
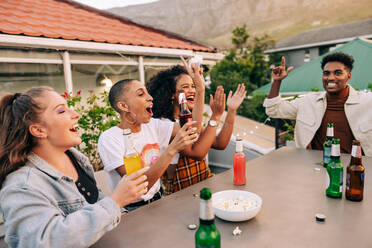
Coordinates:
<point>153,138</point>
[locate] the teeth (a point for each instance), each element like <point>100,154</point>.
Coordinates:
<point>75,127</point>
<point>331,84</point>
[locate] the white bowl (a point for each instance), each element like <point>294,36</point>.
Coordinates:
<point>235,214</point>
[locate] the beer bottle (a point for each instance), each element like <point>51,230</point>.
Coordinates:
<point>239,163</point>
<point>207,235</point>
<point>355,174</point>
<point>335,172</point>
<point>185,114</point>
<point>132,158</point>
<point>327,145</point>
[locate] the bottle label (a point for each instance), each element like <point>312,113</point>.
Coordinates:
<point>181,98</point>
<point>327,155</point>
<point>330,132</point>
<point>356,151</point>
<point>239,146</point>
<point>347,181</point>
<point>327,180</point>
<point>341,181</point>
<point>206,210</point>
<point>362,177</point>
<point>335,152</point>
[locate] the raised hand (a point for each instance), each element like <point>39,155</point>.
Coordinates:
<point>217,103</point>
<point>130,188</point>
<point>279,72</point>
<point>234,100</point>
<point>196,73</point>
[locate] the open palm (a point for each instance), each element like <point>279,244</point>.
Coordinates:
<point>234,100</point>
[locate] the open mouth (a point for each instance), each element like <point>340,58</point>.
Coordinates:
<point>190,98</point>
<point>331,85</point>
<point>74,129</point>
<point>149,110</point>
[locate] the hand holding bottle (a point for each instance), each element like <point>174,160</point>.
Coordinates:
<point>130,188</point>
<point>187,135</point>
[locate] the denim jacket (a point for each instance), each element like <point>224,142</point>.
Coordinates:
<point>43,208</point>
<point>308,112</point>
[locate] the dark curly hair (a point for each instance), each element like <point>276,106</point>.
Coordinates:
<point>162,87</point>
<point>343,58</point>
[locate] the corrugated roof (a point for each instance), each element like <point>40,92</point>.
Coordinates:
<point>337,32</point>
<point>66,19</point>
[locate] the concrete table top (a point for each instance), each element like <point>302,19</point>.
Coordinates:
<point>293,191</point>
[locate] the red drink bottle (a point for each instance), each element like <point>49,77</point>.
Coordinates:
<point>239,163</point>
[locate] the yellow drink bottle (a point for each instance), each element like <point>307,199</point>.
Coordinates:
<point>132,158</point>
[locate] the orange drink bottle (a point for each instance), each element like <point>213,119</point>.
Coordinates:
<point>132,158</point>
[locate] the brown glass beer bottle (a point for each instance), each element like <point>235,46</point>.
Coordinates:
<point>355,174</point>
<point>185,114</point>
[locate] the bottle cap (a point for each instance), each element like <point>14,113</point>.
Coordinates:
<point>191,227</point>
<point>205,194</point>
<point>320,217</point>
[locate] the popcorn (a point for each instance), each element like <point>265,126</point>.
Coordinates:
<point>197,59</point>
<point>237,204</point>
<point>237,231</point>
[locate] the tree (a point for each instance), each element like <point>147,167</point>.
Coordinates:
<point>240,36</point>
<point>97,115</point>
<point>247,64</point>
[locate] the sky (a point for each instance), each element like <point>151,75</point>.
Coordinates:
<point>106,4</point>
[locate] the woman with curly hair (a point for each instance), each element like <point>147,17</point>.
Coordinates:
<point>165,88</point>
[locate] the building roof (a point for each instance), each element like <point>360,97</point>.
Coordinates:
<point>309,76</point>
<point>69,20</point>
<point>326,36</point>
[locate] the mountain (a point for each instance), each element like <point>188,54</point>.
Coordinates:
<point>211,21</point>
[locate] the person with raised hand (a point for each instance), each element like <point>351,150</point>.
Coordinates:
<point>156,141</point>
<point>349,110</point>
<point>48,194</point>
<point>278,74</point>
<point>165,87</point>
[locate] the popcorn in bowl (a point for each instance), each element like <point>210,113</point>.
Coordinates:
<point>236,205</point>
<point>240,203</point>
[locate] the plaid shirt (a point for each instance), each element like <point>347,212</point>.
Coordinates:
<point>188,172</point>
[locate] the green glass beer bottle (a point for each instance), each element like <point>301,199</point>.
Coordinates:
<point>207,235</point>
<point>335,172</point>
<point>327,145</point>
